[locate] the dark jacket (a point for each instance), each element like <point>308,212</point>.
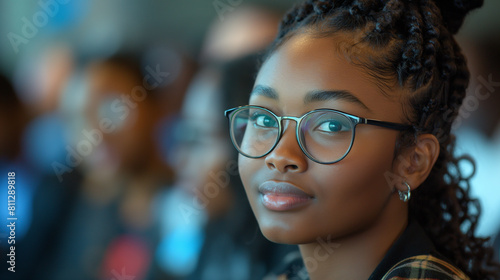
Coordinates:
<point>412,256</point>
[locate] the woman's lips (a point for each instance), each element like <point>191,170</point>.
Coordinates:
<point>282,196</point>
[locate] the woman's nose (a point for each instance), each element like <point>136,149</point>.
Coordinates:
<point>287,156</point>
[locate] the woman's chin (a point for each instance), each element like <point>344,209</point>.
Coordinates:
<point>285,236</point>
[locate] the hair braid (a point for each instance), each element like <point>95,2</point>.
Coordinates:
<point>389,15</point>
<point>384,23</point>
<point>295,16</point>
<point>323,7</point>
<point>351,15</point>
<point>305,11</point>
<point>430,15</point>
<point>412,51</point>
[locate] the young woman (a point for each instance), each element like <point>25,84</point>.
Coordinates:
<point>346,150</point>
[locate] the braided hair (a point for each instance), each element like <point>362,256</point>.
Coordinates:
<point>410,43</point>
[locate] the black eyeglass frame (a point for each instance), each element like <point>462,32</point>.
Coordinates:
<point>355,120</point>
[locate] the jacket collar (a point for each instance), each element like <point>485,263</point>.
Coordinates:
<point>414,241</point>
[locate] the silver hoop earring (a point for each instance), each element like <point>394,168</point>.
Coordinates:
<point>405,196</point>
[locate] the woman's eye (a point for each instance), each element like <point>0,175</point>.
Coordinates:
<point>265,121</point>
<point>331,126</point>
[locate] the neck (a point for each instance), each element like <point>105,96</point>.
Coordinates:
<point>356,256</point>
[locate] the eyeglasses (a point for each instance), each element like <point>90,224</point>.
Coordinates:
<point>324,135</point>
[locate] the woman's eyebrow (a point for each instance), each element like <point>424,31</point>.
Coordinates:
<point>325,95</point>
<point>265,91</point>
<point>312,96</point>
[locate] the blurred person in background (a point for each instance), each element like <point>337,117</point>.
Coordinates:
<point>215,235</point>
<point>13,121</point>
<point>125,170</point>
<point>35,140</point>
<point>123,112</point>
<point>128,170</point>
<point>109,230</point>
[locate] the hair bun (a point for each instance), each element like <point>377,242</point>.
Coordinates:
<point>454,11</point>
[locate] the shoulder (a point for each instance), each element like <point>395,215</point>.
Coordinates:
<point>424,267</point>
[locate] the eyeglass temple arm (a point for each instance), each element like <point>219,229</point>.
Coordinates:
<point>390,125</point>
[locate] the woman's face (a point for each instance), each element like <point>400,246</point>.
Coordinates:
<point>342,198</point>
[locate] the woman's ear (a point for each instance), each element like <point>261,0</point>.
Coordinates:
<point>415,163</point>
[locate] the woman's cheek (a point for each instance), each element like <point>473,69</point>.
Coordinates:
<point>353,191</point>
<point>243,169</point>
<point>247,168</point>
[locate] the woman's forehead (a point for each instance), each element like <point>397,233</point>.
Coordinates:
<point>308,63</point>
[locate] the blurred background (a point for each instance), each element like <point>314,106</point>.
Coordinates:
<point>111,118</point>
